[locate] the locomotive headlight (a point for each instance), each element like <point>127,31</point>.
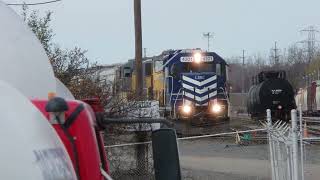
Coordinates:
<point>279,107</point>
<point>186,109</point>
<point>197,58</point>
<point>216,108</point>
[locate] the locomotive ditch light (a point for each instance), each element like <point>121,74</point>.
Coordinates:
<point>197,57</point>
<point>216,108</point>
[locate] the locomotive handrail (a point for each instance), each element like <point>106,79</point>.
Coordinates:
<point>171,89</point>
<point>175,101</point>
<point>227,97</point>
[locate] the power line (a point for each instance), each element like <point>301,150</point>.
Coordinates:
<point>310,41</point>
<point>275,53</point>
<point>32,4</point>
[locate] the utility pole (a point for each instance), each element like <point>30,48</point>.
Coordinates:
<point>208,36</point>
<point>242,80</point>
<point>242,77</point>
<point>141,135</point>
<point>138,47</point>
<point>310,41</point>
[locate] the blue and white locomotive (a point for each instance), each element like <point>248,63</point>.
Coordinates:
<point>196,85</point>
<point>188,84</point>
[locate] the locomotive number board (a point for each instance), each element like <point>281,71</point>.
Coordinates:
<point>191,59</point>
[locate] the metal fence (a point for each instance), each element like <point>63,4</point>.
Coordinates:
<point>286,161</point>
<point>123,153</point>
<point>126,163</point>
<point>294,149</point>
<point>234,155</point>
<point>130,155</point>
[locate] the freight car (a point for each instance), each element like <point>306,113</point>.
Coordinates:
<point>190,84</point>
<point>271,90</point>
<point>309,99</point>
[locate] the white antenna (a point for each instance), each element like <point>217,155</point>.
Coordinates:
<point>208,36</point>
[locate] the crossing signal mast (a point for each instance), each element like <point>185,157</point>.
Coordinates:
<point>208,36</point>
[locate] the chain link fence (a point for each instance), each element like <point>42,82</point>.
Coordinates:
<point>130,156</point>
<point>126,163</point>
<point>229,152</point>
<point>129,153</point>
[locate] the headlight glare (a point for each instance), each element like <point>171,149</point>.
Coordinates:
<point>197,57</point>
<point>186,109</point>
<point>216,108</point>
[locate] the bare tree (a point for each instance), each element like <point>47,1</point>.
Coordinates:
<point>72,66</point>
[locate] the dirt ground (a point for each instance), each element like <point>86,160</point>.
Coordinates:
<point>216,158</point>
<point>184,128</point>
<point>222,160</point>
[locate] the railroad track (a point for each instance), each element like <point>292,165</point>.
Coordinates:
<point>235,124</point>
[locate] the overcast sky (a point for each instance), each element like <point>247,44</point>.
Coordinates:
<point>105,27</point>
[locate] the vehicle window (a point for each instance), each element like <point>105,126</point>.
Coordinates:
<point>148,69</point>
<point>158,65</point>
<point>127,72</point>
<point>223,70</point>
<point>203,67</point>
<point>175,71</point>
<point>206,67</point>
<point>218,69</point>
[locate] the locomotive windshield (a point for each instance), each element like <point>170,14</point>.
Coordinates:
<point>178,68</point>
<point>202,67</point>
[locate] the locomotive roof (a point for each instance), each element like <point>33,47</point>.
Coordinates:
<point>175,56</point>
<point>171,56</point>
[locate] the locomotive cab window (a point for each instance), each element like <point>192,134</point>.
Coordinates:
<point>218,69</point>
<point>191,67</point>
<point>127,72</point>
<point>206,67</point>
<point>175,71</point>
<point>202,67</point>
<point>221,69</point>
<point>148,69</point>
